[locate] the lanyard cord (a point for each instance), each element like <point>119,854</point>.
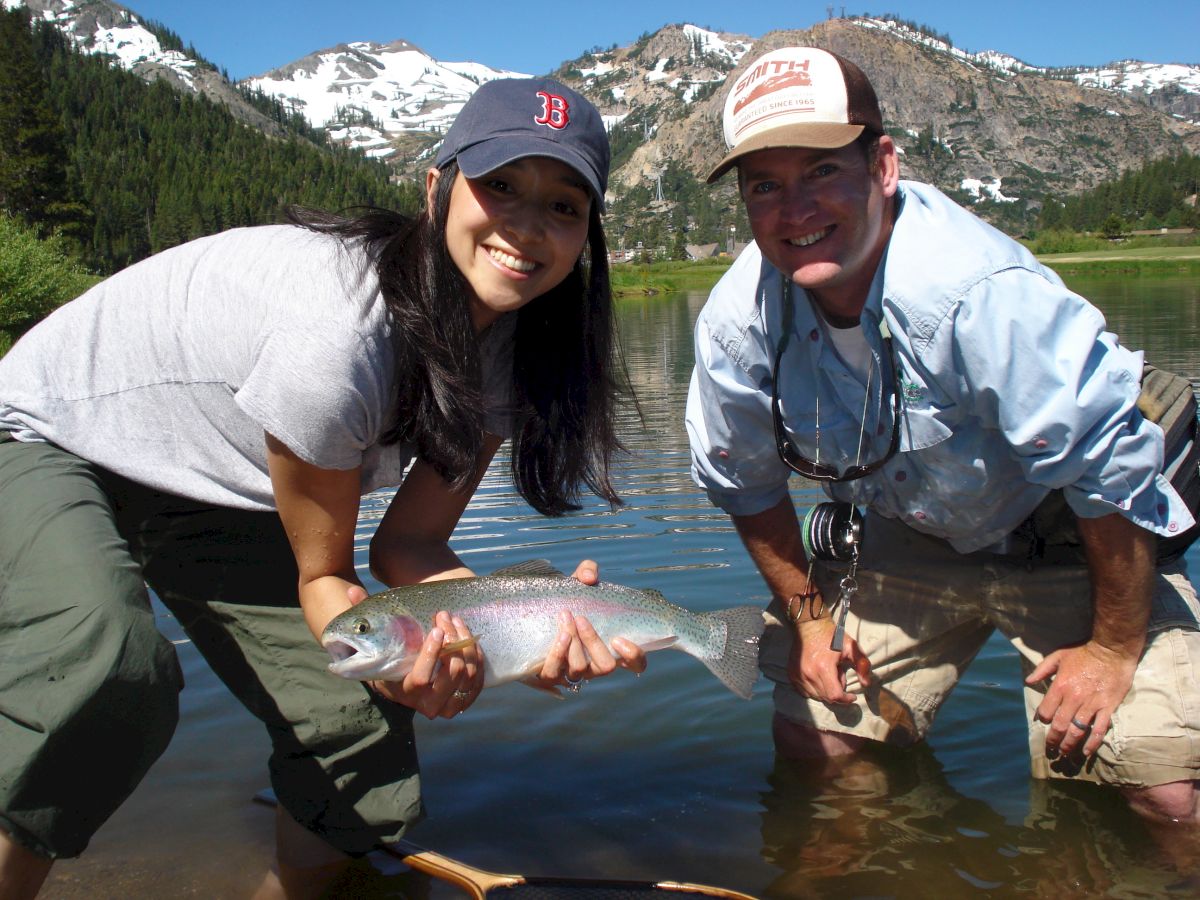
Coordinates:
<point>789,318</point>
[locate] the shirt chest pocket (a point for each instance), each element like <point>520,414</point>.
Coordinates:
<point>921,429</point>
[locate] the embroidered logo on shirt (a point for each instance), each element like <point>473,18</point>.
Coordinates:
<point>911,391</point>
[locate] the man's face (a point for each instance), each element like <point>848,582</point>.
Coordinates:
<point>822,217</point>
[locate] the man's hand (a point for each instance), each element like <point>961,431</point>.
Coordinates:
<point>1090,681</point>
<point>818,672</point>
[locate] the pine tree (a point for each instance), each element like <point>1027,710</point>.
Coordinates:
<point>160,167</point>
<point>33,180</point>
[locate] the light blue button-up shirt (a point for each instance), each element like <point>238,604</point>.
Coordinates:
<point>1010,387</point>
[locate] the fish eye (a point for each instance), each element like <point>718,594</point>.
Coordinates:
<point>360,626</point>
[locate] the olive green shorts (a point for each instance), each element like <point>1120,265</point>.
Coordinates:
<point>921,614</point>
<point>89,688</point>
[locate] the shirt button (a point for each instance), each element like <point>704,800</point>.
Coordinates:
<point>902,476</point>
<point>1173,527</point>
<point>1041,443</point>
<point>814,335</point>
<point>724,454</point>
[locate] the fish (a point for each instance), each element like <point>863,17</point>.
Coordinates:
<point>513,615</point>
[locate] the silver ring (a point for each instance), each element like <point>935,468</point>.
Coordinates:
<point>461,695</point>
<point>1080,725</point>
<point>573,684</point>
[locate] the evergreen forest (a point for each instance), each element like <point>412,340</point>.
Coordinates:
<point>1161,194</point>
<point>105,169</point>
<point>121,168</point>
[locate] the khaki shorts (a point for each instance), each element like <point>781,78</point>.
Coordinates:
<point>922,613</point>
<point>89,688</point>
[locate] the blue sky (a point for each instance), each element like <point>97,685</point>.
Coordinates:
<point>249,37</point>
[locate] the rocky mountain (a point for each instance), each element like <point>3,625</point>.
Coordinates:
<point>983,125</point>
<point>98,26</point>
<point>369,94</point>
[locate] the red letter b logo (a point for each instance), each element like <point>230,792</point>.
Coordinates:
<point>555,111</point>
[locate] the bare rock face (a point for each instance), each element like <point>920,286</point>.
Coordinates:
<point>954,116</point>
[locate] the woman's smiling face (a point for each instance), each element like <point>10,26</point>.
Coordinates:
<point>515,232</point>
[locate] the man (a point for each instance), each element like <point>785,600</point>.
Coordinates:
<point>923,366</point>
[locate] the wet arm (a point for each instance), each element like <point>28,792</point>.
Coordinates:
<point>1091,680</point>
<point>1121,559</point>
<point>412,542</point>
<point>774,542</point>
<point>319,511</point>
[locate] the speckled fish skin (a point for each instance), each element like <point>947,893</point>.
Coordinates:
<point>515,618</point>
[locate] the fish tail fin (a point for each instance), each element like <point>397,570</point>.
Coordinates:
<point>735,656</point>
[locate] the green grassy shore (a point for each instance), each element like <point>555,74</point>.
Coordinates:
<point>1126,261</point>
<point>642,280</point>
<point>639,280</point>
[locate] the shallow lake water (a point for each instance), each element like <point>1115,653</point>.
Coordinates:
<point>668,775</point>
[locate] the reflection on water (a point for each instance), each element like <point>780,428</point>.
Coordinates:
<point>1158,315</point>
<point>889,823</point>
<point>668,775</point>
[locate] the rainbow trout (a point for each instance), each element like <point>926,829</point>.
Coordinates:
<point>513,614</point>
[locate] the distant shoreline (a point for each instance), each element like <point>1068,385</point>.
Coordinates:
<point>641,280</point>
<point>1140,254</point>
<point>1126,261</point>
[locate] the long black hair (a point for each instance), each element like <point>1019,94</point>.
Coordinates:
<point>567,375</point>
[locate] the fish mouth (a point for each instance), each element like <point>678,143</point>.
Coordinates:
<point>349,660</point>
<point>362,662</point>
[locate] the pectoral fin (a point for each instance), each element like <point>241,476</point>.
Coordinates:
<point>661,644</point>
<point>455,646</point>
<point>538,685</point>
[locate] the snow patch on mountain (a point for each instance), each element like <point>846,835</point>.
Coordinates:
<point>1125,76</point>
<point>711,42</point>
<point>1134,75</point>
<point>116,32</point>
<point>384,89</point>
<point>978,189</point>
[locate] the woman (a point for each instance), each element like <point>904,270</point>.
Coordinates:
<point>206,422</point>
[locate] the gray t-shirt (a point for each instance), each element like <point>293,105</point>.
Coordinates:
<point>170,371</point>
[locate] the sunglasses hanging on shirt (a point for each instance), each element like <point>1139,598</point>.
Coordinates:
<point>832,531</point>
<point>789,452</point>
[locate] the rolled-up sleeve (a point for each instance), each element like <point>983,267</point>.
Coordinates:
<point>729,428</point>
<point>1063,392</point>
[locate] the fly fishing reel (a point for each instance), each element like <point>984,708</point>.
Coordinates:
<point>833,532</point>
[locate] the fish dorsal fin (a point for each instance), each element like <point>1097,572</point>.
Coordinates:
<point>529,567</point>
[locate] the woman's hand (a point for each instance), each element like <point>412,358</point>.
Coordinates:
<point>440,685</point>
<point>579,653</point>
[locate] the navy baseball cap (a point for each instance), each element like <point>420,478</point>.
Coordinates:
<point>511,118</point>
